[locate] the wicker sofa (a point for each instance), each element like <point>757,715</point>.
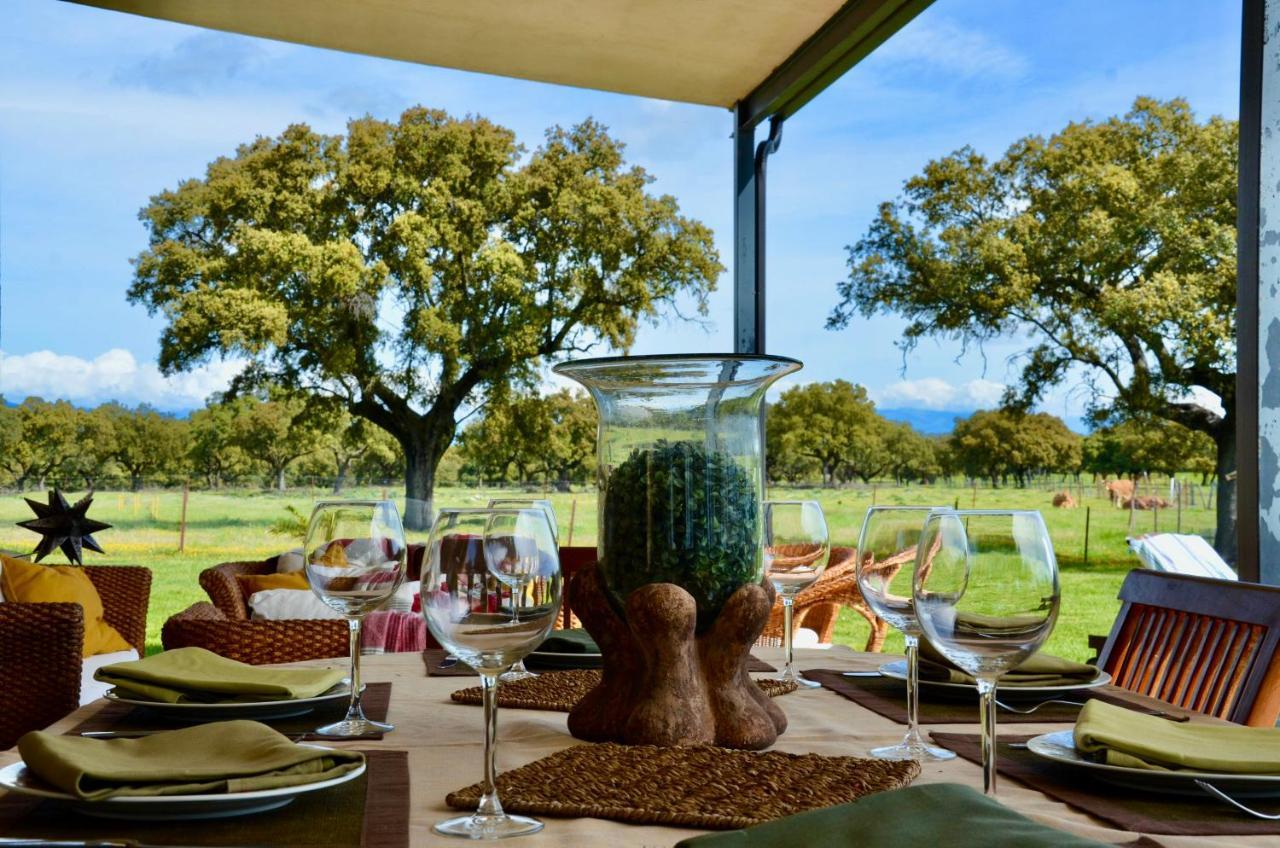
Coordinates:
<point>223,625</point>
<point>41,646</point>
<point>818,606</point>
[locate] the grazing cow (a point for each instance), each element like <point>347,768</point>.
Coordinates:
<point>1063,500</point>
<point>1146,502</point>
<point>1120,491</point>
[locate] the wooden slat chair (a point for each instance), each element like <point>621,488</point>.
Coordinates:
<point>1202,644</point>
<point>573,559</point>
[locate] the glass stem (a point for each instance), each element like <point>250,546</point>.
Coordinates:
<point>987,716</point>
<point>786,634</point>
<point>489,803</point>
<point>354,711</point>
<point>913,739</point>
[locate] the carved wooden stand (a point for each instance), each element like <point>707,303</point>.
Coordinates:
<point>664,685</point>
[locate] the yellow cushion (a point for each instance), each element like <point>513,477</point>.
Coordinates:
<point>28,582</point>
<point>250,583</point>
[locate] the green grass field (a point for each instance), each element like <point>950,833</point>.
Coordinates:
<point>234,525</point>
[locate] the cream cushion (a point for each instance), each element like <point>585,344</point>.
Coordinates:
<point>90,689</point>
<point>402,600</point>
<point>287,604</point>
<point>289,561</point>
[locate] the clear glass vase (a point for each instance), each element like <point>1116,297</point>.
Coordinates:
<point>680,470</point>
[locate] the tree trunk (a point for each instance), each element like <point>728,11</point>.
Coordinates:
<point>341,479</point>
<point>419,483</point>
<point>1224,539</point>
<point>280,481</point>
<point>135,482</point>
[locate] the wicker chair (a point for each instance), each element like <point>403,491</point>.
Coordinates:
<point>41,646</point>
<point>818,606</point>
<point>225,628</point>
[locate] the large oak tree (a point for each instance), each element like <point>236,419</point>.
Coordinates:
<point>408,267</point>
<point>1111,244</point>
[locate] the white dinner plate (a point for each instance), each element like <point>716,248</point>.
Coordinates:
<point>19,779</point>
<point>554,659</point>
<point>898,671</point>
<point>1060,748</point>
<point>252,710</point>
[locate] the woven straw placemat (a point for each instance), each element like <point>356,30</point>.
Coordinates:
<point>561,690</point>
<point>706,787</point>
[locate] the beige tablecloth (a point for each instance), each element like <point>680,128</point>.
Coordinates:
<point>444,744</point>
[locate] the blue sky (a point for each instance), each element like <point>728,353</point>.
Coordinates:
<point>100,110</point>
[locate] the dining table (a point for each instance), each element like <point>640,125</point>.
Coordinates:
<point>444,743</point>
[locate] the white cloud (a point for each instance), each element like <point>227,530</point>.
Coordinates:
<point>206,60</point>
<point>946,47</point>
<point>936,393</point>
<point>114,375</point>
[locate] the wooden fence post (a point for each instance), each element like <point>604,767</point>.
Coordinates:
<point>573,514</point>
<point>1088,513</point>
<point>182,524</point>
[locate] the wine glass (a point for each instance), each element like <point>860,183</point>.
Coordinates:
<point>529,503</point>
<point>886,559</point>
<point>472,552</point>
<point>796,550</point>
<point>986,596</point>
<point>518,671</point>
<point>355,560</point>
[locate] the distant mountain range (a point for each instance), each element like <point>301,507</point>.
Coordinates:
<point>928,421</point>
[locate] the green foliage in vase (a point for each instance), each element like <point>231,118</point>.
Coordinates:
<point>678,513</point>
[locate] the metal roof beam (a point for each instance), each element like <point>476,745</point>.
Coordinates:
<point>846,39</point>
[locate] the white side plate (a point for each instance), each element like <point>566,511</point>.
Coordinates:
<point>19,779</point>
<point>1060,748</point>
<point>253,710</point>
<point>898,671</point>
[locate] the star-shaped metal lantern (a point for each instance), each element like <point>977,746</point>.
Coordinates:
<point>64,526</point>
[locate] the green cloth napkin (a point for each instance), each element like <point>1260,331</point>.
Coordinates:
<point>938,814</point>
<point>225,756</point>
<point>1121,737</point>
<point>576,641</point>
<point>1039,669</point>
<point>194,675</point>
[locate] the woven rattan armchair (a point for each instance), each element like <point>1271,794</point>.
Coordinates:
<point>225,628</point>
<point>41,646</point>
<point>818,606</point>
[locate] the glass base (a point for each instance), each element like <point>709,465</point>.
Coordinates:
<point>355,727</point>
<point>516,674</point>
<point>476,826</point>
<point>785,676</point>
<point>903,751</point>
